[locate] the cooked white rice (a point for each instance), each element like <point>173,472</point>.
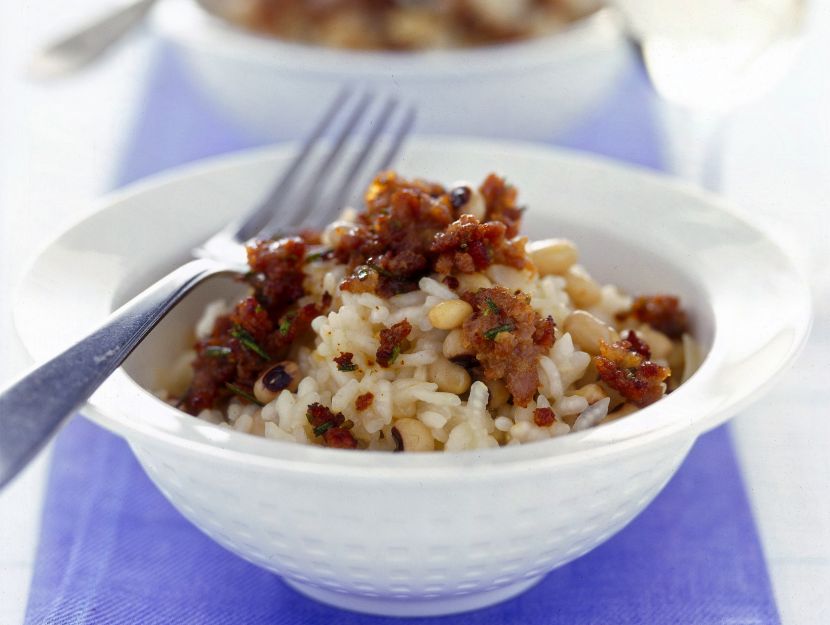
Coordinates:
<point>407,388</point>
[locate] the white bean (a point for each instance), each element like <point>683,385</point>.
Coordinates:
<point>450,377</point>
<point>450,314</point>
<point>414,435</point>
<point>587,331</point>
<point>553,256</point>
<point>582,288</point>
<point>453,345</point>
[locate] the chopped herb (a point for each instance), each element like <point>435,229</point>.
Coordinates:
<point>322,254</point>
<point>347,367</point>
<point>233,388</point>
<point>492,333</point>
<point>259,309</point>
<point>491,307</point>
<point>286,323</point>
<point>244,337</point>
<point>217,351</point>
<point>396,351</point>
<point>323,428</point>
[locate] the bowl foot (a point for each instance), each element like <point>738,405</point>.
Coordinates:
<point>414,606</point>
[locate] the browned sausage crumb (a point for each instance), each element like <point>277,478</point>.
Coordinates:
<point>500,200</point>
<point>362,402</point>
<point>638,344</point>
<point>468,245</point>
<point>333,428</point>
<point>344,362</point>
<point>507,336</point>
<point>637,379</point>
<point>391,342</point>
<point>410,228</point>
<point>661,312</point>
<point>543,417</point>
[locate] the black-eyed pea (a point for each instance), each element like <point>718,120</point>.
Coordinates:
<point>451,378</point>
<point>449,314</point>
<point>275,379</point>
<point>412,435</point>
<point>581,287</point>
<point>467,200</point>
<point>553,256</point>
<point>587,331</point>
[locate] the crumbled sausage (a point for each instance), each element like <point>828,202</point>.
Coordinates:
<point>362,402</point>
<point>637,344</point>
<point>344,361</point>
<point>468,245</point>
<point>507,337</point>
<point>661,312</point>
<point>332,428</point>
<point>543,417</point>
<point>628,372</point>
<point>500,199</point>
<point>409,229</point>
<point>392,342</point>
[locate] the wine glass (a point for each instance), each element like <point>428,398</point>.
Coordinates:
<point>706,59</point>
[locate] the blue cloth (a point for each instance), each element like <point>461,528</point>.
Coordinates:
<point>112,550</point>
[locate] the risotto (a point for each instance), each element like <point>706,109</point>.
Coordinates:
<point>426,322</point>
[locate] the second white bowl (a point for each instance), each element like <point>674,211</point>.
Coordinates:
<point>525,90</point>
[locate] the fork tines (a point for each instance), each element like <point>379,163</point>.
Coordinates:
<point>359,135</point>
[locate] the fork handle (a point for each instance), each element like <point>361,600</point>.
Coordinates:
<point>33,407</point>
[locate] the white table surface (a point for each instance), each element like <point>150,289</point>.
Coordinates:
<point>60,147</point>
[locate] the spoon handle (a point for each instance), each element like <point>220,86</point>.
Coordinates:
<point>33,407</point>
<point>79,48</point>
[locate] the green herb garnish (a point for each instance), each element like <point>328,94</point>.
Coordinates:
<point>491,307</point>
<point>285,324</point>
<point>244,337</point>
<point>347,366</point>
<point>217,351</point>
<point>492,333</point>
<point>396,351</point>
<point>233,388</point>
<point>323,428</point>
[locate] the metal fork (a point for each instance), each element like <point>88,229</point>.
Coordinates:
<point>33,407</point>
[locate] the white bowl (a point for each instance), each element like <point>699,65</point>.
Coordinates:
<point>424,534</point>
<point>525,90</point>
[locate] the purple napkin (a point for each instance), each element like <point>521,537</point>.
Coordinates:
<point>112,550</point>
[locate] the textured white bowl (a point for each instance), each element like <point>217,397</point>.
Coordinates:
<point>525,90</point>
<point>425,534</point>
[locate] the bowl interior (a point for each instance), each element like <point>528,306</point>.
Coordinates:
<point>634,229</point>
<point>609,257</point>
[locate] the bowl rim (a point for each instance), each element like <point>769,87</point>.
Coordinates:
<point>187,22</point>
<point>198,438</point>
